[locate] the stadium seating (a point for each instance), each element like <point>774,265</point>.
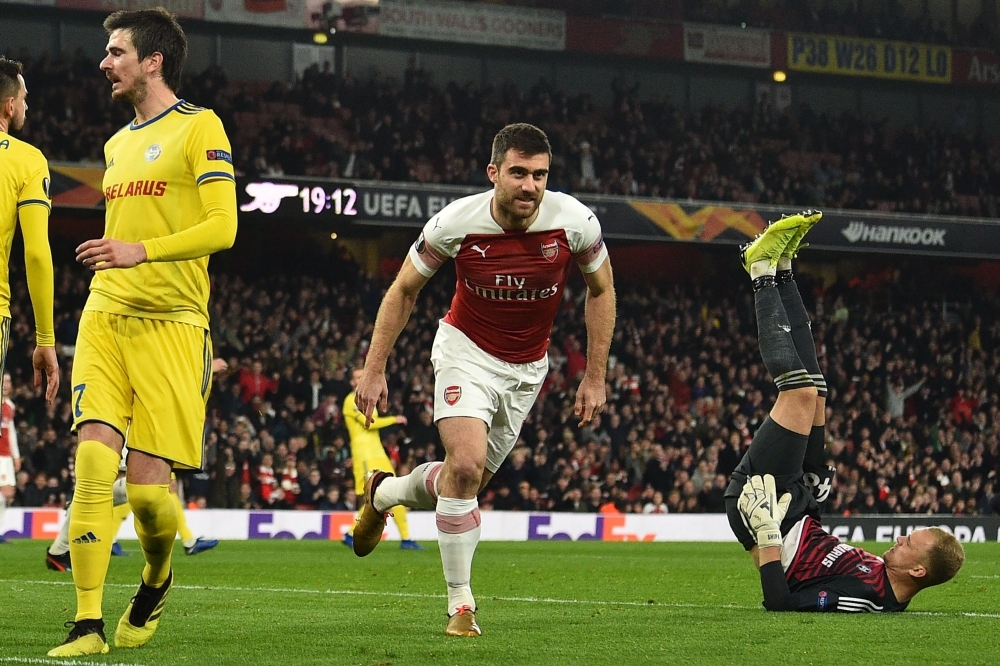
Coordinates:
<point>379,129</point>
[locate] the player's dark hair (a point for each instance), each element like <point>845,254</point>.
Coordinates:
<point>154,31</point>
<point>522,137</point>
<point>9,85</point>
<point>944,558</point>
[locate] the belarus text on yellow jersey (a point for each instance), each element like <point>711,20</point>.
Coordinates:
<point>151,190</point>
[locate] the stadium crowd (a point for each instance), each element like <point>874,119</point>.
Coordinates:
<point>913,414</point>
<point>419,130</point>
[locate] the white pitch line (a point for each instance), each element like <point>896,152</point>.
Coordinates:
<point>403,595</point>
<point>54,662</point>
<point>993,577</point>
<point>419,595</point>
<point>959,613</point>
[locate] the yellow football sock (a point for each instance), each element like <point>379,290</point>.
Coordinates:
<point>119,514</point>
<point>91,525</point>
<point>156,525</point>
<point>399,515</point>
<point>182,523</point>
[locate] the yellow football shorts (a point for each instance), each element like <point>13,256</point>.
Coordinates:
<point>148,378</point>
<point>366,464</point>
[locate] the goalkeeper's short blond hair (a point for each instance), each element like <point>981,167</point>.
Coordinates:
<point>943,559</point>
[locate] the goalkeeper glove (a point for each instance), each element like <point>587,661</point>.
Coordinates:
<point>762,511</point>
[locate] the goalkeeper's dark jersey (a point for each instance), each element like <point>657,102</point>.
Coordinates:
<point>824,574</point>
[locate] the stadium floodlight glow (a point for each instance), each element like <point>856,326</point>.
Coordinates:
<point>779,76</point>
<point>333,236</point>
<point>320,37</point>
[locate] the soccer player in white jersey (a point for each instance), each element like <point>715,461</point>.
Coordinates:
<point>513,247</point>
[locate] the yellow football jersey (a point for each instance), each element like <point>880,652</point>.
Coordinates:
<point>24,181</point>
<point>365,442</point>
<point>151,190</point>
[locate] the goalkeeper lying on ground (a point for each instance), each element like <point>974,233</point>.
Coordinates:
<point>773,498</point>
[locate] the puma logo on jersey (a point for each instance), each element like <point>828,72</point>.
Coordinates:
<point>480,250</point>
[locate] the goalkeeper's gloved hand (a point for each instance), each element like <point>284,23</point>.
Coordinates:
<point>762,511</point>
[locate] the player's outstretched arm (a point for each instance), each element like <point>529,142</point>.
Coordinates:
<point>600,319</point>
<point>393,314</point>
<point>41,284</point>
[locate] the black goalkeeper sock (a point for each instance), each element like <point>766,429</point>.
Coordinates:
<point>802,336</point>
<point>815,459</point>
<point>775,340</point>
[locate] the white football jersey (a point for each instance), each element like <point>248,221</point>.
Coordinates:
<point>510,283</point>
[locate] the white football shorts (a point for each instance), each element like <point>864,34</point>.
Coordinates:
<point>470,382</point>
<point>7,476</point>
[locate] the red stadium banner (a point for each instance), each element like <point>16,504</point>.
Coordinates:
<point>266,5</point>
<point>628,38</point>
<point>723,45</point>
<point>976,68</point>
<point>183,8</point>
<point>270,13</point>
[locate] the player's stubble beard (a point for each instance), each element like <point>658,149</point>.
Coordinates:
<point>15,125</point>
<point>16,122</point>
<point>135,95</point>
<point>505,205</point>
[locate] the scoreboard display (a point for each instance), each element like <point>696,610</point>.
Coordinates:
<point>343,203</point>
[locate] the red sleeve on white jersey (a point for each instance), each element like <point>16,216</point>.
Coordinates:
<point>442,236</point>
<point>586,241</point>
<point>425,257</point>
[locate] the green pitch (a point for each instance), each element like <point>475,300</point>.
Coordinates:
<point>309,602</point>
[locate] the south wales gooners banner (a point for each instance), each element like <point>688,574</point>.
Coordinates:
<point>856,56</point>
<point>473,23</point>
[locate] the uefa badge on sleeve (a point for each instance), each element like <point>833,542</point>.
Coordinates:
<point>452,394</point>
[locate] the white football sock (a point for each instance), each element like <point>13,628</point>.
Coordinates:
<point>761,268</point>
<point>416,490</point>
<point>458,524</point>
<point>119,495</point>
<point>3,507</point>
<point>61,544</point>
